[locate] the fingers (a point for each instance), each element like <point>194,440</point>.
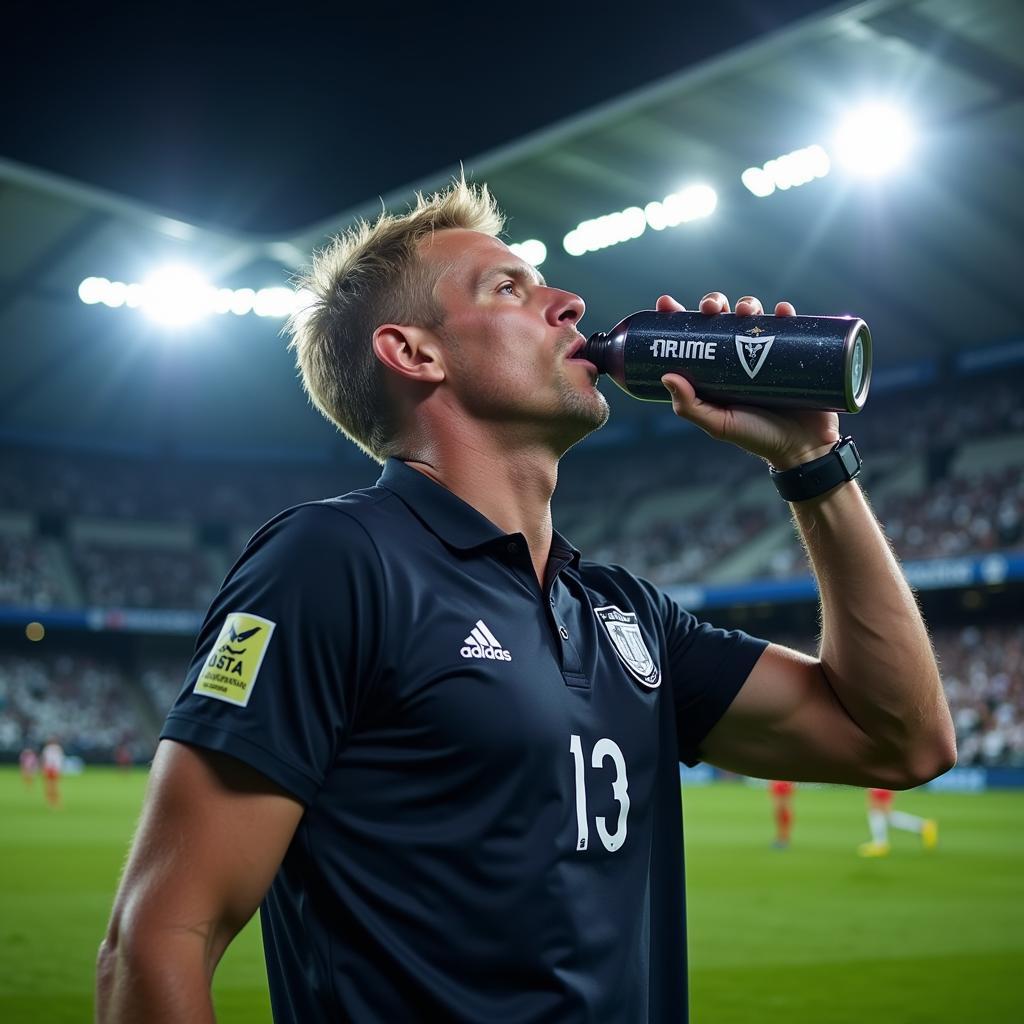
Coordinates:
<point>714,302</point>
<point>749,305</point>
<point>718,302</point>
<point>688,406</point>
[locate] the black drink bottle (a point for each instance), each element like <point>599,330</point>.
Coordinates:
<point>796,362</point>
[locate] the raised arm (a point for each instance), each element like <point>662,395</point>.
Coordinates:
<point>212,835</point>
<point>870,709</point>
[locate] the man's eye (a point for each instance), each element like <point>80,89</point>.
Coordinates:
<point>510,285</point>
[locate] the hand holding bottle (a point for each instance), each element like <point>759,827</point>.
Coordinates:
<point>784,437</point>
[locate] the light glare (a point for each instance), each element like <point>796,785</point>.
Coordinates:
<point>874,140</point>
<point>787,171</point>
<point>179,295</point>
<point>277,302</point>
<point>690,203</point>
<point>533,251</point>
<point>176,296</point>
<point>92,290</point>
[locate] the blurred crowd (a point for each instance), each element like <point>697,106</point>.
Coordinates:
<point>954,516</point>
<point>82,701</point>
<point>89,485</point>
<point>132,577</point>
<point>951,514</point>
<point>983,672</point>
<point>944,514</point>
<point>28,575</point>
<point>97,706</point>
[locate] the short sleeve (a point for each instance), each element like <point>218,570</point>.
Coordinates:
<point>289,649</point>
<point>707,667</point>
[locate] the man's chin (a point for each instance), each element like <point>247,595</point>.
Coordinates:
<point>584,417</point>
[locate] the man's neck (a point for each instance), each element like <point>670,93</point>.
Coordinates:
<point>511,488</point>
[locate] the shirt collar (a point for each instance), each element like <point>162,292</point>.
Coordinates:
<point>457,523</point>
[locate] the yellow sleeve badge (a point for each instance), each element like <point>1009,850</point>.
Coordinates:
<point>235,658</point>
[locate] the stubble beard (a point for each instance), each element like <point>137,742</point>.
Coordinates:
<point>582,411</point>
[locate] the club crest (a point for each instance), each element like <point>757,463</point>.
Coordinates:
<point>628,641</point>
<point>753,352</point>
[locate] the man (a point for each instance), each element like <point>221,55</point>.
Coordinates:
<point>881,815</point>
<point>28,762</point>
<point>782,807</point>
<point>440,750</point>
<point>53,764</point>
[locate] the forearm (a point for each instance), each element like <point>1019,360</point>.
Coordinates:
<point>160,981</point>
<point>875,650</point>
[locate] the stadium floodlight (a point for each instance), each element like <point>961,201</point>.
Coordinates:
<point>533,250</point>
<point>612,228</point>
<point>242,300</point>
<point>176,296</point>
<point>115,294</point>
<point>787,171</point>
<point>688,204</point>
<point>277,302</point>
<point>873,140</point>
<point>92,290</point>
<point>222,300</point>
<point>179,295</point>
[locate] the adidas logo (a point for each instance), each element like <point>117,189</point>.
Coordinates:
<point>481,644</point>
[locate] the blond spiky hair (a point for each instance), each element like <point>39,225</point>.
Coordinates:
<point>365,277</point>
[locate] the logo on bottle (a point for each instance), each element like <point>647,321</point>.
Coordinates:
<point>753,352</point>
<point>683,348</point>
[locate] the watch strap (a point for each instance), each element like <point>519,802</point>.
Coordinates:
<point>811,479</point>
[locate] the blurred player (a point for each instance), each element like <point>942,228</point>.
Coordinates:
<point>53,765</point>
<point>881,816</point>
<point>28,761</point>
<point>782,802</point>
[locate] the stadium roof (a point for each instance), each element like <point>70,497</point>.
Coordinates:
<point>931,257</point>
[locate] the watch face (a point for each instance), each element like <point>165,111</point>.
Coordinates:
<point>850,457</point>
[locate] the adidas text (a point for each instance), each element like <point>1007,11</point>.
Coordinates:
<point>482,643</point>
<point>491,653</point>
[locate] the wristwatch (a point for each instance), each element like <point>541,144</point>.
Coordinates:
<point>816,477</point>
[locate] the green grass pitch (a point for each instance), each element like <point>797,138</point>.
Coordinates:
<point>810,934</point>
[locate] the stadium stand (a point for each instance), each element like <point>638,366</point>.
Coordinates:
<point>96,703</point>
<point>937,494</point>
<point>84,701</point>
<point>983,672</point>
<point>30,573</point>
<point>944,469</point>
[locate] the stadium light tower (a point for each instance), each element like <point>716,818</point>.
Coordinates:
<point>873,140</point>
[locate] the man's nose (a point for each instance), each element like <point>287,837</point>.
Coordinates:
<point>567,307</point>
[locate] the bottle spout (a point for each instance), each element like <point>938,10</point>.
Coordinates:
<point>595,350</point>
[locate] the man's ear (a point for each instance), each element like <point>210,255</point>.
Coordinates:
<point>412,352</point>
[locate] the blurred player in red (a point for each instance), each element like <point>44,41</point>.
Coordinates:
<point>28,761</point>
<point>782,800</point>
<point>53,764</point>
<point>881,816</point>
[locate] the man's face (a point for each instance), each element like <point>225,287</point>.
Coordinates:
<point>511,339</point>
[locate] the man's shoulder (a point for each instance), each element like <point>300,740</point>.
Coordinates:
<point>327,528</point>
<point>350,513</point>
<point>610,581</point>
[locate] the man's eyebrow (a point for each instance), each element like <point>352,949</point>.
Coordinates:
<point>518,272</point>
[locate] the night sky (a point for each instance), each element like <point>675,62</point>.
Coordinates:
<point>269,117</point>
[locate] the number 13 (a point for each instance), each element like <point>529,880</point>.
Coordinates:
<point>602,748</point>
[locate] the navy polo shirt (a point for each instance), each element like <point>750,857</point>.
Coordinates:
<point>489,766</point>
